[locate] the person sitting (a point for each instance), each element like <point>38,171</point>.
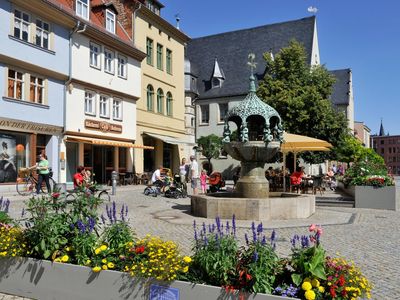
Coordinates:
<point>330,179</point>
<point>79,178</point>
<point>296,179</point>
<point>157,179</point>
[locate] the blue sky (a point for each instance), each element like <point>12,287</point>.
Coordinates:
<point>357,34</point>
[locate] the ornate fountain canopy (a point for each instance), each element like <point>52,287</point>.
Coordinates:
<point>255,119</point>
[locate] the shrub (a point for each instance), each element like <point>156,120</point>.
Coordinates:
<point>12,241</point>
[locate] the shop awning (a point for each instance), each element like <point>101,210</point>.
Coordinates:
<point>95,141</point>
<point>167,139</point>
<point>299,143</point>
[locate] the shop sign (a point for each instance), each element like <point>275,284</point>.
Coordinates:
<point>103,126</point>
<point>8,124</point>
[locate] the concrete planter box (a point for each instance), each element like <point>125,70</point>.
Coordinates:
<point>349,190</point>
<point>41,279</point>
<point>378,198</point>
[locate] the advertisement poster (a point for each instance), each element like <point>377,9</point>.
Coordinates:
<point>8,172</point>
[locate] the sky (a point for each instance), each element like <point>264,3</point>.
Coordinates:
<point>363,35</point>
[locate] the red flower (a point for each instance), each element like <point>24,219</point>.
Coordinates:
<point>248,277</point>
<point>332,292</point>
<point>341,280</point>
<point>139,250</point>
<point>55,195</point>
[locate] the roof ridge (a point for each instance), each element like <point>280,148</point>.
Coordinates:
<point>251,28</point>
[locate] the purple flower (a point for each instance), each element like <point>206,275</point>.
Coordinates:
<point>204,228</point>
<point>260,228</point>
<point>81,226</point>
<point>91,224</point>
<point>227,227</point>
<point>234,224</point>
<point>246,238</point>
<point>122,212</point>
<point>195,235</point>
<point>253,229</point>
<point>114,211</point>
<point>264,241</point>
<point>194,224</point>
<point>218,222</point>
<point>255,256</point>
<point>305,242</point>
<point>126,210</point>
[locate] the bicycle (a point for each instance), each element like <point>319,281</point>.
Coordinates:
<point>93,190</point>
<point>27,182</point>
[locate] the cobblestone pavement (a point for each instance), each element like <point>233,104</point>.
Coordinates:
<point>369,237</point>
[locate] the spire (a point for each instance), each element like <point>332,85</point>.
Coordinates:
<point>381,130</point>
<point>252,65</point>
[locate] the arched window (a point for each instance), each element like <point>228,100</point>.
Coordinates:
<point>150,97</point>
<point>169,104</point>
<point>160,101</point>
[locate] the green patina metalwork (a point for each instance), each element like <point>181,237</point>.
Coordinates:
<point>254,119</point>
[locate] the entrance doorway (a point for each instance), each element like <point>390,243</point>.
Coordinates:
<point>103,163</point>
<point>72,160</point>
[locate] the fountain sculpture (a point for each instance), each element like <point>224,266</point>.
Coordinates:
<point>259,138</point>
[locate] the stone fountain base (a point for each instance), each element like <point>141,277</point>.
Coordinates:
<point>278,206</point>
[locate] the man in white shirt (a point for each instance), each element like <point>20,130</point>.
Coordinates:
<point>156,175</point>
<point>194,174</point>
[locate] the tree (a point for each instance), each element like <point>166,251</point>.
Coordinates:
<point>300,94</point>
<point>210,146</point>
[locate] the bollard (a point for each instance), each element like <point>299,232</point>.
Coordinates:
<point>114,175</point>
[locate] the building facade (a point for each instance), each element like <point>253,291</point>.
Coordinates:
<point>101,92</point>
<point>388,146</point>
<point>161,109</point>
<point>34,64</point>
<point>362,133</point>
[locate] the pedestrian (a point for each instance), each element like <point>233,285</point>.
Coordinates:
<point>43,173</point>
<point>203,181</point>
<point>183,170</point>
<point>194,174</point>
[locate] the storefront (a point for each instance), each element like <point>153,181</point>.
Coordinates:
<point>20,144</point>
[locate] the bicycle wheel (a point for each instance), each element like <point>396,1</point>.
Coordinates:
<point>25,187</point>
<point>70,198</point>
<point>105,196</point>
<point>52,186</point>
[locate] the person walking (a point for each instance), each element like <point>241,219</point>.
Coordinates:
<point>203,181</point>
<point>194,174</point>
<point>43,173</point>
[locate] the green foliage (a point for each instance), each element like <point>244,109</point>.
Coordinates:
<point>368,172</point>
<point>4,218</point>
<point>211,146</point>
<point>117,234</point>
<point>301,96</point>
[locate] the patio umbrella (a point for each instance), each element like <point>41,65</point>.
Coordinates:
<point>296,143</point>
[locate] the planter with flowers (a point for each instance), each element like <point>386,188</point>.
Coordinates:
<point>372,186</point>
<point>66,251</point>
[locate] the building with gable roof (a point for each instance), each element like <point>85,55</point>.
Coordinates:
<point>221,61</point>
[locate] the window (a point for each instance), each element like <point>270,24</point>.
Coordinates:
<point>110,21</point>
<point>150,97</point>
<point>149,51</point>
<point>108,61</point>
<point>223,109</point>
<point>117,109</point>
<point>160,101</point>
<point>94,55</point>
<point>90,103</point>
<point>21,25</point>
<point>169,104</point>
<point>104,106</point>
<point>383,150</point>
<point>82,8</point>
<point>382,142</point>
<point>15,84</point>
<point>42,34</point>
<point>169,61</point>
<point>159,57</point>
<point>122,66</point>
<point>36,90</point>
<point>205,114</point>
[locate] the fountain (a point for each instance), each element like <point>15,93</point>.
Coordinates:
<point>260,134</point>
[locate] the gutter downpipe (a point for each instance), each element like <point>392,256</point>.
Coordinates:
<point>134,23</point>
<point>71,33</point>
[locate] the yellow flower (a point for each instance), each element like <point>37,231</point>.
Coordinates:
<point>110,265</point>
<point>68,249</point>
<point>104,261</point>
<point>88,262</point>
<point>97,251</point>
<point>96,269</point>
<point>310,295</point>
<point>65,258</point>
<point>321,289</point>
<point>103,247</point>
<point>104,267</point>
<point>187,259</point>
<point>306,286</point>
<point>185,269</point>
<point>315,282</point>
<point>57,259</point>
<point>307,280</point>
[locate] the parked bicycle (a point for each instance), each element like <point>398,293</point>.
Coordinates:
<point>96,191</point>
<point>27,182</point>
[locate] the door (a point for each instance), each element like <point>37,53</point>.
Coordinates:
<point>72,160</point>
<point>98,164</point>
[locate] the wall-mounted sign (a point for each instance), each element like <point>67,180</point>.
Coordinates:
<point>24,126</point>
<point>103,126</point>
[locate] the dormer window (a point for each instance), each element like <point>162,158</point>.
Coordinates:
<point>82,8</point>
<point>110,21</point>
<point>218,77</point>
<point>216,82</point>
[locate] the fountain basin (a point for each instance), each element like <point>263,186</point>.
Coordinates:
<point>278,206</point>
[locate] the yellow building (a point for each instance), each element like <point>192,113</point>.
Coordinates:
<point>161,108</point>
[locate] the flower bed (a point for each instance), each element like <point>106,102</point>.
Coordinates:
<point>74,233</point>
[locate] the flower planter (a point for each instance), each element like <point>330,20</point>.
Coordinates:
<point>376,197</point>
<point>41,279</point>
